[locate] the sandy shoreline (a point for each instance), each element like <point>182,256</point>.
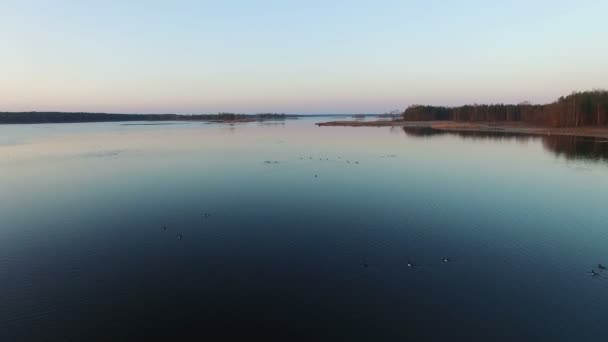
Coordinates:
<point>507,127</point>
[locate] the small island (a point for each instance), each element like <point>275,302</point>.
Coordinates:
<point>579,114</point>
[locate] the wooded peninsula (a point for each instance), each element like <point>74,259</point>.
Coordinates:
<point>580,113</point>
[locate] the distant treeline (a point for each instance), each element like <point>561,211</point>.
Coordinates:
<point>589,108</point>
<point>61,117</point>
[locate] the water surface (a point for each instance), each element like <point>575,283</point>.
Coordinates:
<point>297,231</point>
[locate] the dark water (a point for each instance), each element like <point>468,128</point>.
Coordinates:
<point>270,251</point>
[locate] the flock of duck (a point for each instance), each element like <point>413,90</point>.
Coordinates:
<point>270,162</point>
<point>367,265</point>
<point>274,162</point>
<point>600,267</point>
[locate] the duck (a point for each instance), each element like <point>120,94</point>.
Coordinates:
<point>601,267</point>
<point>594,274</point>
<point>179,236</point>
<point>444,259</point>
<point>410,264</point>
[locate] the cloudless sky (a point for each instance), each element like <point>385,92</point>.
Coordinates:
<point>295,56</point>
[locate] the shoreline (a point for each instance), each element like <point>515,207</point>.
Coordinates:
<point>8,118</point>
<point>505,127</point>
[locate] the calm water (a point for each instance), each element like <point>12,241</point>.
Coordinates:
<point>282,253</point>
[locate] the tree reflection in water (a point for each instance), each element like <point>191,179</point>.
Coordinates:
<point>569,147</point>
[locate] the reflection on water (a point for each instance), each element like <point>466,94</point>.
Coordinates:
<point>292,231</point>
<point>570,147</point>
<point>577,147</point>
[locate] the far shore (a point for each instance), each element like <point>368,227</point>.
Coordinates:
<point>507,127</point>
<point>83,117</point>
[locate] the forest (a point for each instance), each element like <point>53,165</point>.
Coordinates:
<point>71,117</point>
<point>588,108</point>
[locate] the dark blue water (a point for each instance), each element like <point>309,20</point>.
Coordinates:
<point>270,251</point>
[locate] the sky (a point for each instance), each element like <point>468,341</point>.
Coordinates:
<point>295,56</point>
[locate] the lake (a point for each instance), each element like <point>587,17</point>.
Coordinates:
<point>285,230</point>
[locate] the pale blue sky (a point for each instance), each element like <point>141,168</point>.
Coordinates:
<point>295,56</point>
